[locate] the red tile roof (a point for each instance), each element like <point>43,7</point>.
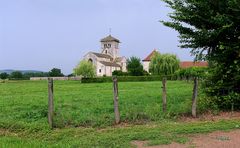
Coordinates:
<point>187,64</point>
<point>183,64</point>
<point>148,58</point>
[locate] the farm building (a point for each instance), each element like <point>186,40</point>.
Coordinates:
<point>183,64</point>
<point>108,60</point>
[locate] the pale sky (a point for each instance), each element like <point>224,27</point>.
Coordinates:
<point>43,34</point>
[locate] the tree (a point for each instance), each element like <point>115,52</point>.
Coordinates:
<point>28,75</point>
<point>134,66</point>
<point>86,69</point>
<point>4,75</point>
<point>119,73</point>
<point>211,29</point>
<point>164,64</point>
<point>16,75</point>
<point>55,72</point>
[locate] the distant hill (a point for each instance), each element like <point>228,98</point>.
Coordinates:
<point>9,71</point>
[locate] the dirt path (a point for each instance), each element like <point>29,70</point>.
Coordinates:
<point>213,140</point>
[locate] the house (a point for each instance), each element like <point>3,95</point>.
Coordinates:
<point>183,64</point>
<point>147,60</point>
<point>108,60</point>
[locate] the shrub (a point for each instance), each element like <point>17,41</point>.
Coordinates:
<point>16,75</point>
<point>119,73</point>
<point>85,68</point>
<point>145,73</point>
<point>4,76</point>
<point>189,73</point>
<point>28,75</point>
<point>127,79</point>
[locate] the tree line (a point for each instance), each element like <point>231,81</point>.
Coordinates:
<point>55,72</point>
<point>160,65</point>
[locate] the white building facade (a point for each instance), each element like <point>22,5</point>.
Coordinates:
<point>109,59</point>
<point>147,60</point>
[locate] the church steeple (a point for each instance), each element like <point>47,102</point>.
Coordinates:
<point>110,45</point>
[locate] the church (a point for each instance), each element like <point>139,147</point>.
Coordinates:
<point>108,60</point>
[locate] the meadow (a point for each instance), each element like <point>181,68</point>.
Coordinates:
<point>24,103</point>
<point>84,115</point>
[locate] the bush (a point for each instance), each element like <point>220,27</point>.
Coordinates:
<point>192,72</point>
<point>119,73</point>
<point>145,73</point>
<point>127,79</point>
<point>85,69</point>
<point>16,75</point>
<point>35,74</point>
<point>4,75</point>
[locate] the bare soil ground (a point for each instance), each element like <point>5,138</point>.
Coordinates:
<point>211,117</point>
<point>218,139</point>
<point>213,140</point>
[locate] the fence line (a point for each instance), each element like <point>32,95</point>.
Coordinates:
<point>115,100</point>
<point>50,102</point>
<point>194,97</point>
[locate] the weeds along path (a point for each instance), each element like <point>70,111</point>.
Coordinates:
<point>218,139</point>
<point>155,133</point>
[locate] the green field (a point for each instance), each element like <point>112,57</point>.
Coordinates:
<point>24,103</point>
<point>84,114</point>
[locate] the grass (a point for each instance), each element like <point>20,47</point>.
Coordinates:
<point>24,103</point>
<point>84,114</point>
<point>155,132</point>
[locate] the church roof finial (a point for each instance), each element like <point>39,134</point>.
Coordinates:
<point>110,31</point>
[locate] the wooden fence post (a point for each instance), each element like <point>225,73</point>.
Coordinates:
<point>50,102</point>
<point>194,98</point>
<point>164,94</point>
<point>115,100</point>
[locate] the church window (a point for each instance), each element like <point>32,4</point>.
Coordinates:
<point>100,70</point>
<point>105,51</point>
<point>109,45</point>
<point>90,60</point>
<point>105,45</point>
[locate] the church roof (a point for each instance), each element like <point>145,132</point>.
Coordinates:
<point>109,39</point>
<point>100,55</point>
<point>112,64</point>
<point>148,58</point>
<point>119,59</point>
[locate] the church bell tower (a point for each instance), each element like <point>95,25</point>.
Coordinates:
<point>110,46</point>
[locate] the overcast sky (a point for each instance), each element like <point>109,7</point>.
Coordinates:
<point>42,34</point>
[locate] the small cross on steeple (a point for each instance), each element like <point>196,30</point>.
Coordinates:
<point>110,31</point>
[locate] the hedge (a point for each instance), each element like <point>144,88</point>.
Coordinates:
<point>126,79</point>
